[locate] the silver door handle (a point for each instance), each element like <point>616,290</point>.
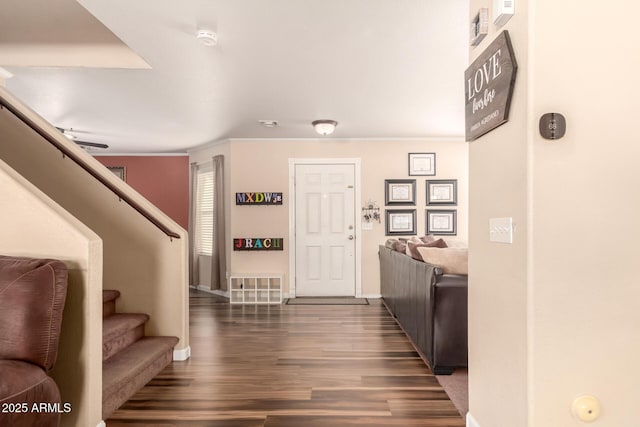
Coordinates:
<point>350,236</point>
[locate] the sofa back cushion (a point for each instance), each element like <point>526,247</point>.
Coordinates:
<point>32,297</point>
<point>451,260</point>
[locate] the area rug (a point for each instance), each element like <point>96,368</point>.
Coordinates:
<point>327,301</point>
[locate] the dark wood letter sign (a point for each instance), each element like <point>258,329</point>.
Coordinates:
<point>488,86</point>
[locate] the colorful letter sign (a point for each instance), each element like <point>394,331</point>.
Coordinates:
<point>257,244</point>
<point>258,198</point>
<point>488,87</point>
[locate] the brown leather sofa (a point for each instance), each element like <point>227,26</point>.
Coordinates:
<point>32,298</point>
<point>430,306</point>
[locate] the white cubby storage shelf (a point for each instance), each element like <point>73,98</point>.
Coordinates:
<point>255,288</point>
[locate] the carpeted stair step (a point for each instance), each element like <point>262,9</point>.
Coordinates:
<point>130,369</point>
<point>109,298</point>
<point>120,331</point>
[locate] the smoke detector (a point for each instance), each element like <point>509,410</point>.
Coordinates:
<point>207,37</point>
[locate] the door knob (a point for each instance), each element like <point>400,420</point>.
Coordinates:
<point>350,236</point>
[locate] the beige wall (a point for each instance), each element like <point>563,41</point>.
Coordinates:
<point>498,167</point>
<point>554,315</point>
<point>32,225</point>
<point>263,165</point>
<point>585,210</point>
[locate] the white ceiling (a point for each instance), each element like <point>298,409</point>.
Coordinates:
<point>381,68</point>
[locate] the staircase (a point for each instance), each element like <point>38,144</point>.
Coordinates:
<point>129,358</point>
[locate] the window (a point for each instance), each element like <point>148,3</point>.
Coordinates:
<point>204,211</point>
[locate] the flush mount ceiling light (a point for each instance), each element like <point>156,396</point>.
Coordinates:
<point>207,37</point>
<point>324,127</point>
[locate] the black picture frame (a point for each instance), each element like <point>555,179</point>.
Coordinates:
<point>119,171</point>
<point>400,222</point>
<point>442,192</point>
<point>422,164</point>
<point>441,222</point>
<point>400,192</point>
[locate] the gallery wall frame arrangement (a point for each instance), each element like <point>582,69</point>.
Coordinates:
<point>422,164</point>
<point>441,222</point>
<point>400,192</point>
<point>442,192</point>
<point>400,222</point>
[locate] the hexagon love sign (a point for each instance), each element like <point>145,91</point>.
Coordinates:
<point>488,87</point>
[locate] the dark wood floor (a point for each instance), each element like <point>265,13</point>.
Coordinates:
<point>292,366</point>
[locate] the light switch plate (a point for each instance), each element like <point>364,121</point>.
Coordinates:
<point>367,226</point>
<point>501,230</point>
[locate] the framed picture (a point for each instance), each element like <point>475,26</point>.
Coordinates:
<point>423,164</point>
<point>441,222</point>
<point>479,26</point>
<point>400,192</point>
<point>442,192</point>
<point>400,221</point>
<point>118,171</point>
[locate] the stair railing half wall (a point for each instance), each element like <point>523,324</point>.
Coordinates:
<point>4,103</point>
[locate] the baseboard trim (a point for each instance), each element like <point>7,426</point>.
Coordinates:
<point>181,354</point>
<point>218,292</point>
<point>101,424</point>
<point>471,422</point>
<point>286,296</point>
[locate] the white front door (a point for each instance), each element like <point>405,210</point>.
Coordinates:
<point>325,230</point>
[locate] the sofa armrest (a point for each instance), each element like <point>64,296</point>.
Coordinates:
<point>450,321</point>
<point>32,299</point>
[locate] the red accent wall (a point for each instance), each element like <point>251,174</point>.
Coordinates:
<point>163,180</point>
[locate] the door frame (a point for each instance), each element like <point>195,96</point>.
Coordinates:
<point>293,162</point>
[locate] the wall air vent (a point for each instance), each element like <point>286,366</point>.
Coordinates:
<point>503,10</point>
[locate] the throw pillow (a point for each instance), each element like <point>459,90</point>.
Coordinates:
<point>413,247</point>
<point>453,243</point>
<point>401,247</point>
<point>390,243</point>
<point>428,238</point>
<point>451,260</point>
<point>414,240</point>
